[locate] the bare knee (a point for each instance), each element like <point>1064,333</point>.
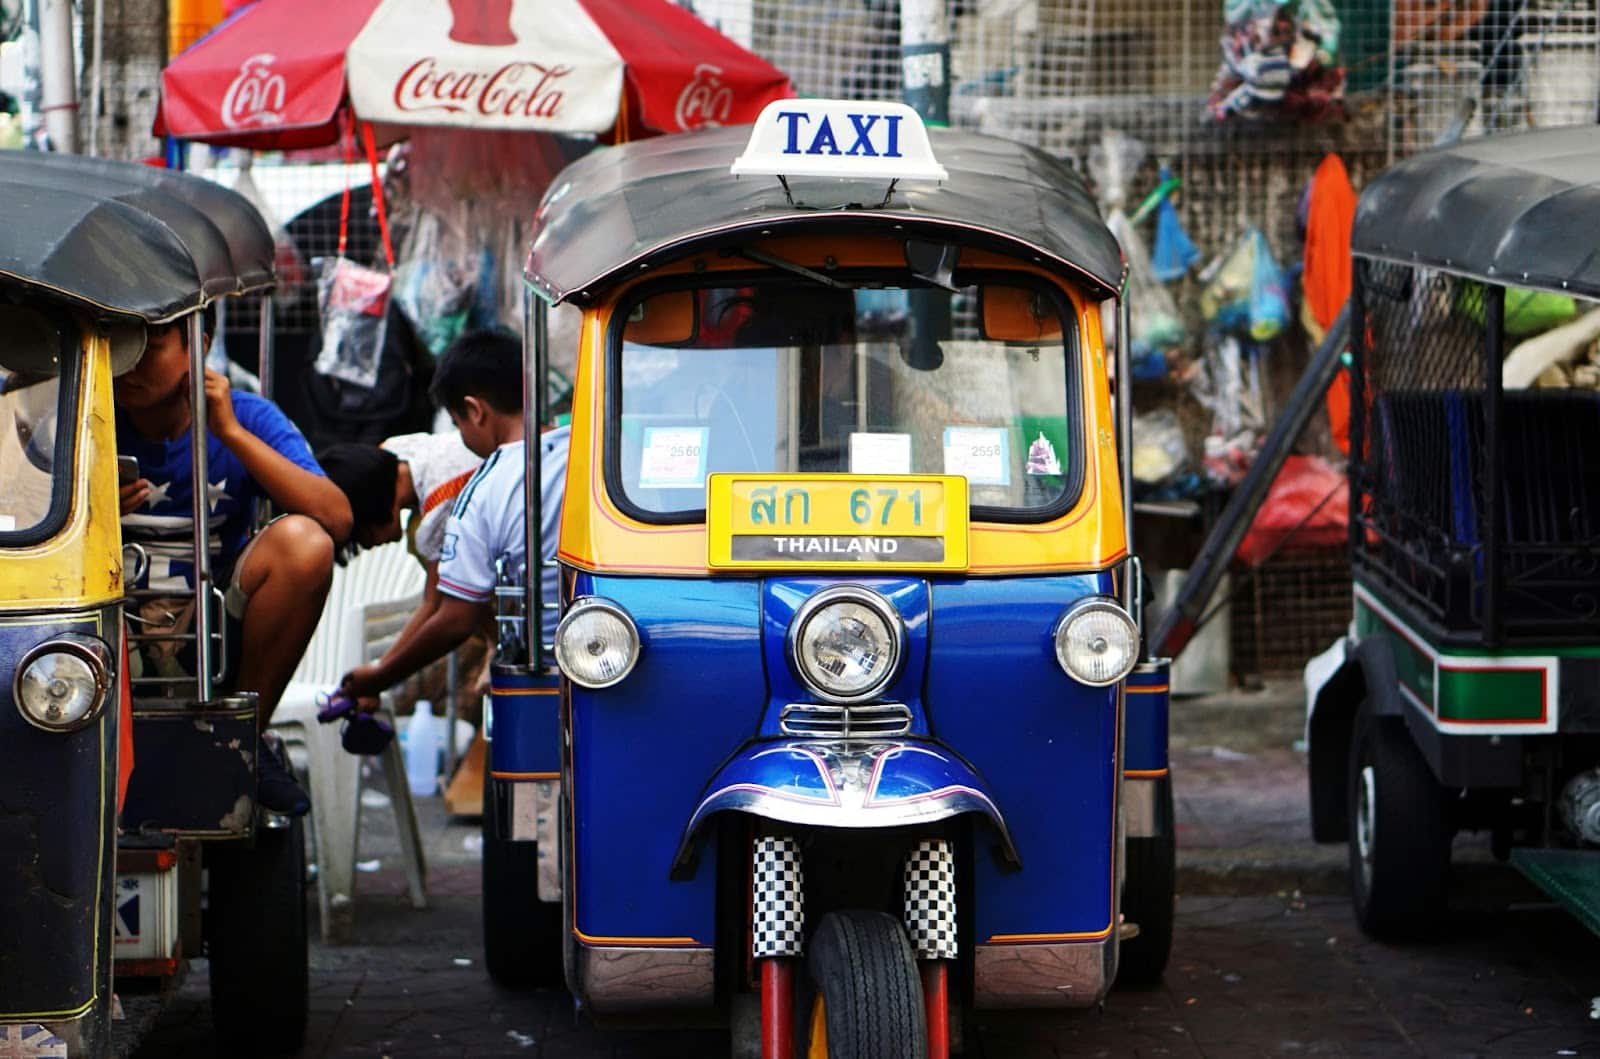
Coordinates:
<point>294,546</point>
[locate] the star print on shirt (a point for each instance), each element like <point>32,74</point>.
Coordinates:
<point>158,494</point>
<point>217,491</point>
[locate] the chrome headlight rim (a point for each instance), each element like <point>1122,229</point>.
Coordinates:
<point>863,596</point>
<point>581,606</point>
<point>93,652</point>
<point>1092,604</point>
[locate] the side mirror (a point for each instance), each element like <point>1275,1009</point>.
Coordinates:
<point>1017,314</point>
<point>665,319</point>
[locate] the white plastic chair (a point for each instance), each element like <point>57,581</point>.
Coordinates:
<point>369,602</point>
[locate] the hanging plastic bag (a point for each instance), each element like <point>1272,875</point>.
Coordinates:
<point>354,303</point>
<point>353,300</point>
<point>432,287</point>
<point>1269,298</point>
<point>1174,252</point>
<point>1155,323</point>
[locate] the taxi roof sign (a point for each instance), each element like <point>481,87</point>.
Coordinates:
<point>839,138</point>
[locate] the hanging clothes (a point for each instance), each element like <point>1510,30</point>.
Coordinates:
<point>1326,279</point>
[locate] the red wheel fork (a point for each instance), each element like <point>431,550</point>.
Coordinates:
<point>936,1003</point>
<point>777,1008</point>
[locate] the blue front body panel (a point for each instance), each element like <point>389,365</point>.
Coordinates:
<point>1046,744</point>
<point>981,679</point>
<point>643,750</point>
<point>526,741</point>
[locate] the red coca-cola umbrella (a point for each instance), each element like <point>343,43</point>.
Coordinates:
<point>278,74</point>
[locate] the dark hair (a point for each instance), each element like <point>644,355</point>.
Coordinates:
<point>482,364</point>
<point>208,324</point>
<point>366,474</point>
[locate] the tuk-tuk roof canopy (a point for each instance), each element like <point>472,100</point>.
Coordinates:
<point>127,239</point>
<point>1517,209</point>
<point>618,209</point>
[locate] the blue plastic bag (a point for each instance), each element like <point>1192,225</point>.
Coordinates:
<point>1173,251</point>
<point>1269,299</point>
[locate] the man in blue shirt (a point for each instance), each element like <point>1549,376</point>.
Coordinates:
<point>277,581</point>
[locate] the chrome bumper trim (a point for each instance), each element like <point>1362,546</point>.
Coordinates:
<point>1139,806</point>
<point>1047,975</point>
<point>615,980</point>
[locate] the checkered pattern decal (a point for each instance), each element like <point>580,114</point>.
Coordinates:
<point>931,899</point>
<point>778,908</point>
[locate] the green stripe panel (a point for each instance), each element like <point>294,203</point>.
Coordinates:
<point>1491,694</point>
<point>1571,876</point>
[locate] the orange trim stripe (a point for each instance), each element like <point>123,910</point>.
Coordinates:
<point>664,943</point>
<point>1144,774</point>
<point>524,775</point>
<point>1147,689</point>
<point>525,691</point>
<point>446,492</point>
<point>1014,939</point>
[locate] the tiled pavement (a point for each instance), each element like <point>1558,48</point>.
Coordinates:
<point>1267,960</point>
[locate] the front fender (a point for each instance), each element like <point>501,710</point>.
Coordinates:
<point>889,784</point>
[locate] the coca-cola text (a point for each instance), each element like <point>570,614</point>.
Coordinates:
<point>515,90</point>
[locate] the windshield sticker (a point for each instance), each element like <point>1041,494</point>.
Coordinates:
<point>978,454</point>
<point>673,458</point>
<point>1042,457</point>
<point>880,453</point>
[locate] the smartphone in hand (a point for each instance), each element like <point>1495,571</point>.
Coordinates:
<point>127,469</point>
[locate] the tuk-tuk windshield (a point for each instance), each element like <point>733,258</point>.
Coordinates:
<point>789,375</point>
<point>33,401</point>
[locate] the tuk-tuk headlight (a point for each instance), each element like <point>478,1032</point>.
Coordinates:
<point>596,643</point>
<point>1097,643</point>
<point>62,683</point>
<point>846,643</point>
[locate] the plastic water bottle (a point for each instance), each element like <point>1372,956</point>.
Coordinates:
<point>422,750</point>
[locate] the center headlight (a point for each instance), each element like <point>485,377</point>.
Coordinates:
<point>596,643</point>
<point>60,685</point>
<point>846,643</point>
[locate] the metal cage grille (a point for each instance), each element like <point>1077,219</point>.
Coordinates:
<point>1481,510</point>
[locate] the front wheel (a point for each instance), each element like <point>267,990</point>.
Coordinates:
<point>256,940</point>
<point>521,934</point>
<point>868,1002</point>
<point>1148,895</point>
<point>1399,842</point>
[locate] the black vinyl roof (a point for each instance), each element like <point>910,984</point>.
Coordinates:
<point>623,208</point>
<point>127,239</point>
<point>1521,209</point>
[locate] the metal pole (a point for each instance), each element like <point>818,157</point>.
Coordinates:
<point>1494,334</point>
<point>95,77</point>
<point>533,398</point>
<point>1124,412</point>
<point>58,75</point>
<point>925,59</point>
<point>264,370</point>
<point>201,504</point>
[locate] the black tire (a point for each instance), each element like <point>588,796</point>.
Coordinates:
<point>1148,894</point>
<point>521,934</point>
<point>1399,840</point>
<point>862,966</point>
<point>256,940</point>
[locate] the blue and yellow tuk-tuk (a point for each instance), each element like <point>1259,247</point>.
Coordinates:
<point>847,629</point>
<point>104,852</point>
<point>1466,696</point>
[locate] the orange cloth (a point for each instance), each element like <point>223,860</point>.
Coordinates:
<point>1326,280</point>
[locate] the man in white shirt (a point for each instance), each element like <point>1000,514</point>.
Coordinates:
<point>479,382</point>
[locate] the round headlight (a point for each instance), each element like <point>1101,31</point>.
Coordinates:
<point>846,643</point>
<point>1097,643</point>
<point>596,643</point>
<point>60,685</point>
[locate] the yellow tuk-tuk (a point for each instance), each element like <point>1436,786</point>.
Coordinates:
<point>852,731</point>
<point>103,850</point>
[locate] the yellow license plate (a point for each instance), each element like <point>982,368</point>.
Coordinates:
<point>836,521</point>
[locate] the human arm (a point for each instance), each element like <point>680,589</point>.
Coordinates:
<point>430,605</point>
<point>290,486</point>
<point>443,631</point>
